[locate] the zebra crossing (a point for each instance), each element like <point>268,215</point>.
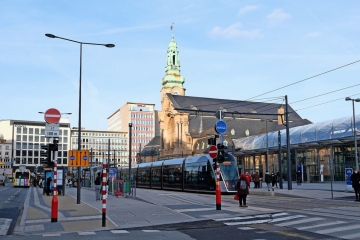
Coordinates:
<point>316,224</point>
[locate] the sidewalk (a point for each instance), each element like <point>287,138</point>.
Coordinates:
<point>149,208</point>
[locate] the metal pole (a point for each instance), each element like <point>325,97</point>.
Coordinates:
<point>91,159</point>
<point>280,162</point>
<point>54,201</point>
<point>79,130</point>
<point>331,170</point>
<point>104,193</point>
<point>355,142</point>
<point>130,139</point>
<point>140,153</point>
<point>267,148</point>
<point>108,160</point>
<point>288,157</point>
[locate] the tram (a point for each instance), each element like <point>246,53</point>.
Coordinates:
<point>194,173</point>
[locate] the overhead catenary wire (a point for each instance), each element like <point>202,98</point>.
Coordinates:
<point>326,102</point>
<point>303,80</point>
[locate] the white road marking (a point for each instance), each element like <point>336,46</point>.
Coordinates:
<point>321,225</point>
<point>52,235</point>
<point>119,231</point>
<point>251,217</point>
<point>245,228</point>
<point>338,229</point>
<point>299,221</point>
<point>150,231</point>
<point>86,233</point>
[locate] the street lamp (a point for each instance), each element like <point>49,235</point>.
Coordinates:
<point>354,131</point>
<point>267,143</point>
<point>79,125</point>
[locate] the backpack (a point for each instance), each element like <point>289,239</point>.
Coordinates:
<point>97,181</point>
<point>242,184</point>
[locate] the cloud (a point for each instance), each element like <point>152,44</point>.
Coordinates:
<point>278,15</point>
<point>312,34</point>
<point>234,31</point>
<point>247,9</point>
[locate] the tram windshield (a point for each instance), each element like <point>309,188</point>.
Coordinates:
<point>229,169</point>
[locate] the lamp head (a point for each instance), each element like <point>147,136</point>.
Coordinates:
<point>50,35</point>
<point>357,100</point>
<point>348,99</point>
<point>110,45</point>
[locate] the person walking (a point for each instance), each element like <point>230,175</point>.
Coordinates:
<point>242,187</point>
<point>97,183</point>
<point>273,180</point>
<point>257,180</point>
<point>298,178</point>
<point>355,178</point>
<point>268,180</point>
<point>48,182</point>
<point>248,177</point>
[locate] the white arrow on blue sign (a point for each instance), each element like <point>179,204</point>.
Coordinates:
<point>220,127</point>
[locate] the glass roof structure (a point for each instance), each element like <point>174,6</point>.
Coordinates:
<point>328,132</point>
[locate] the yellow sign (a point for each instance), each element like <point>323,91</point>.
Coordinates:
<point>78,158</point>
<point>2,163</point>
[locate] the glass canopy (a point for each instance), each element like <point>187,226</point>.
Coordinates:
<point>323,132</point>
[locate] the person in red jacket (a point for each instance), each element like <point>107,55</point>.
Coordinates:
<point>242,189</point>
<point>248,177</point>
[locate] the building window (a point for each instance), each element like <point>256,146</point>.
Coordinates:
<point>31,131</point>
<point>24,130</point>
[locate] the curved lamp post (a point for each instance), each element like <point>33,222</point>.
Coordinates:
<point>354,131</point>
<point>79,125</point>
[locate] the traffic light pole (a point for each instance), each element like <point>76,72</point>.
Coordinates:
<point>218,190</point>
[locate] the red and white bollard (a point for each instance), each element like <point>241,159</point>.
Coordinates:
<point>218,190</point>
<point>104,194</point>
<point>54,202</point>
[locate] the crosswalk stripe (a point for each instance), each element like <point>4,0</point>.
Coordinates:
<point>86,233</point>
<point>352,236</point>
<point>251,217</point>
<point>321,225</point>
<point>286,218</point>
<point>119,231</point>
<point>150,231</point>
<point>245,228</point>
<point>299,222</point>
<point>338,229</point>
<point>268,220</point>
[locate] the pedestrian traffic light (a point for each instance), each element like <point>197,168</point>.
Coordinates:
<point>221,153</point>
<point>55,145</point>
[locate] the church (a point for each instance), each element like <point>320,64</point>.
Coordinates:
<point>186,123</point>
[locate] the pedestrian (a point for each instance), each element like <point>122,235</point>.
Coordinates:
<point>355,178</point>
<point>248,177</point>
<point>268,180</point>
<point>242,187</point>
<point>97,183</point>
<point>40,183</point>
<point>257,180</point>
<point>273,180</point>
<point>298,178</point>
<point>48,182</point>
<point>277,178</point>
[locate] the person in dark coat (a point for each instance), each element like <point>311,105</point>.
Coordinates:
<point>355,179</point>
<point>298,178</point>
<point>268,180</point>
<point>242,186</point>
<point>48,182</point>
<point>273,180</point>
<point>257,180</point>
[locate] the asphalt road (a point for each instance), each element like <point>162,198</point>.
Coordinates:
<point>11,203</point>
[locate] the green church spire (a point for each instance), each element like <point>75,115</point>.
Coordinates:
<point>172,70</point>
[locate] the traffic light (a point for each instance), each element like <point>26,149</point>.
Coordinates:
<point>46,154</point>
<point>221,153</point>
<point>55,145</point>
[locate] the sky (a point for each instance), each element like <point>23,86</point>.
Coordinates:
<point>228,49</point>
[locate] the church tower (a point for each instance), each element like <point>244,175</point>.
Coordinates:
<point>173,82</point>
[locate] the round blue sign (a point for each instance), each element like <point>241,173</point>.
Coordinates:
<point>220,127</point>
<point>85,158</point>
<point>72,158</point>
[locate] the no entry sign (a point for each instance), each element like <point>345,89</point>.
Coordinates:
<point>213,151</point>
<point>52,116</point>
